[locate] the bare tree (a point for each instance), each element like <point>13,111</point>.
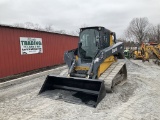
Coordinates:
<point>138,28</point>
<point>49,28</point>
<point>62,31</point>
<point>154,33</point>
<point>158,33</point>
<point>29,25</point>
<point>37,27</point>
<point>18,25</point>
<point>151,33</point>
<point>75,33</point>
<point>128,36</point>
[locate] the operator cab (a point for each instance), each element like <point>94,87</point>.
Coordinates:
<point>94,39</point>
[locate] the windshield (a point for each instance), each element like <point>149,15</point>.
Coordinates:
<point>89,40</point>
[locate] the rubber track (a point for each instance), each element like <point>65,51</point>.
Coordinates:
<point>109,75</point>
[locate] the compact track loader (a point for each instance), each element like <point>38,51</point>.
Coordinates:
<point>95,67</point>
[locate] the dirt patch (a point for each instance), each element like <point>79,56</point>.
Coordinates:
<point>137,99</point>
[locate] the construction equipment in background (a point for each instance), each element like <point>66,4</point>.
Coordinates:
<point>136,54</point>
<point>95,67</point>
<point>143,51</point>
<point>151,49</point>
<point>127,54</point>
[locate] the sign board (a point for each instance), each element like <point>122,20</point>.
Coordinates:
<point>31,45</point>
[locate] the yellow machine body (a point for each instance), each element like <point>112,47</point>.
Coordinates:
<point>105,65</point>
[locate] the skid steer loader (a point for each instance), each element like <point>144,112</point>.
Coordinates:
<point>94,68</point>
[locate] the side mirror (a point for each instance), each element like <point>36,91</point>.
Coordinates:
<point>80,44</point>
<point>114,35</point>
<point>97,44</point>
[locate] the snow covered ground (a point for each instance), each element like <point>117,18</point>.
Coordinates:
<point>137,99</point>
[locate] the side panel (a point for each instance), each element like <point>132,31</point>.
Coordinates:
<point>105,65</point>
<point>116,50</point>
<point>69,56</point>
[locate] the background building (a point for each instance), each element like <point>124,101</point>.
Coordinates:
<point>51,49</point>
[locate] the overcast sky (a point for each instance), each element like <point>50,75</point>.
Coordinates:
<point>69,15</point>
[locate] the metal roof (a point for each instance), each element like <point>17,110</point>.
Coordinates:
<point>10,26</point>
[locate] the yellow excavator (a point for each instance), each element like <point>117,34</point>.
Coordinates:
<point>137,54</point>
<point>94,68</point>
<point>151,49</point>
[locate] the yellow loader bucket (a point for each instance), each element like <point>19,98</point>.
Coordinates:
<point>90,89</point>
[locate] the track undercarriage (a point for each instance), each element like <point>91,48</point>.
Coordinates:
<point>115,74</point>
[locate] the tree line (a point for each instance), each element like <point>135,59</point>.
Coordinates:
<point>141,30</point>
<point>47,28</point>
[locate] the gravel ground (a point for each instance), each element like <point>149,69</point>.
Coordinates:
<point>137,99</point>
